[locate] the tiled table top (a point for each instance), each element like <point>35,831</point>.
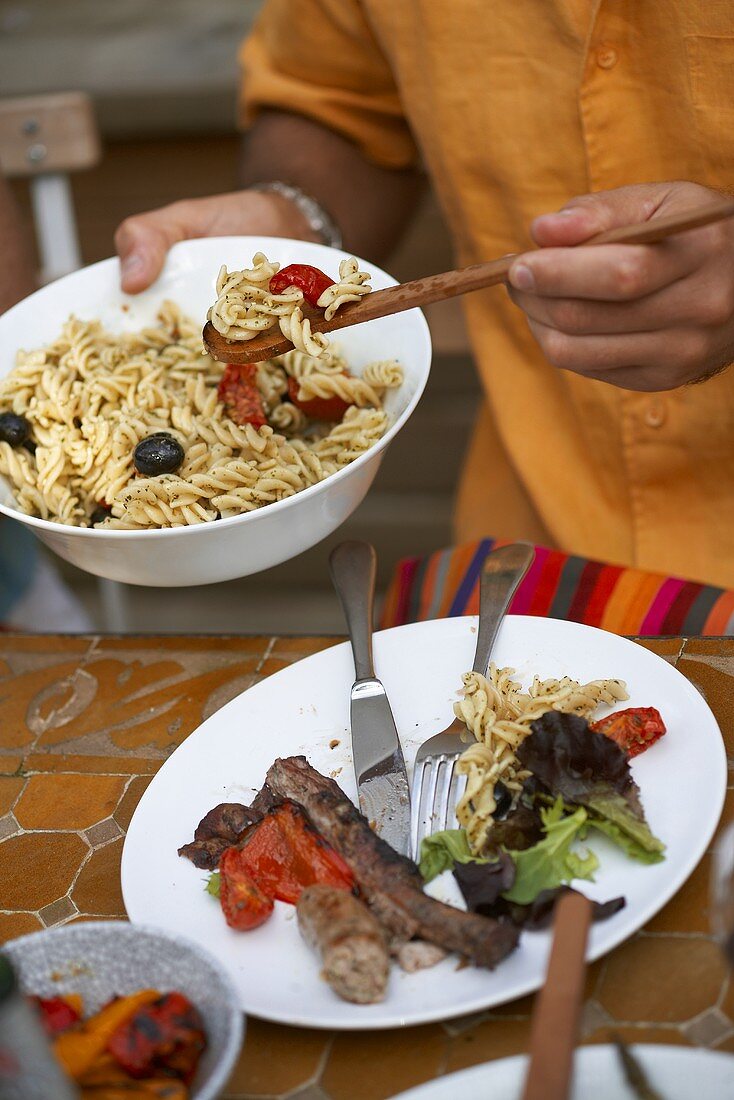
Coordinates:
<point>86,722</point>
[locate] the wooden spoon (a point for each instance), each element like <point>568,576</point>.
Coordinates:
<point>558,1005</point>
<point>434,288</point>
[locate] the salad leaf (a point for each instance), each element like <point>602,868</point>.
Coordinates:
<point>522,828</point>
<point>539,913</point>
<point>212,884</point>
<point>637,842</point>
<point>440,851</point>
<point>482,883</point>
<point>550,862</point>
<point>587,769</point>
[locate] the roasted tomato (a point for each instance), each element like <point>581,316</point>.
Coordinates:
<point>166,1034</point>
<point>634,729</point>
<point>239,393</point>
<point>244,904</point>
<point>309,280</point>
<point>283,854</point>
<point>57,1013</point>
<point>317,408</point>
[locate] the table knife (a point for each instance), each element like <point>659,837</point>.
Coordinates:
<point>382,780</point>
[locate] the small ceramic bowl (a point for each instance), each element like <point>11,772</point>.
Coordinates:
<point>240,545</point>
<point>102,959</point>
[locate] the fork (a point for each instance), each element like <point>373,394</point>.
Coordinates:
<point>435,787</point>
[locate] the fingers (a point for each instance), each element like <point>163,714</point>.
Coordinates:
<point>143,240</point>
<point>647,361</point>
<point>142,245</point>
<point>709,305</point>
<point>606,272</point>
<point>587,215</point>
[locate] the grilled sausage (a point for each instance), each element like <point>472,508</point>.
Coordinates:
<point>350,941</point>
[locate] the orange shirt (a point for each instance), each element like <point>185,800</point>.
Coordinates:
<point>515,106</point>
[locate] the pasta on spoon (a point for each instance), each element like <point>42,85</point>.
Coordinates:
<point>265,296</point>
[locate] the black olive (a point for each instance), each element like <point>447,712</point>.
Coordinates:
<point>503,798</point>
<point>14,429</point>
<point>99,515</point>
<point>158,454</point>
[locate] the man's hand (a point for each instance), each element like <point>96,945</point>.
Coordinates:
<point>143,241</point>
<point>643,317</point>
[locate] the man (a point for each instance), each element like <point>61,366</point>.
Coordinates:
<point>591,436</point>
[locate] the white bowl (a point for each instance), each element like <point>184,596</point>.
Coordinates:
<point>104,959</point>
<point>241,545</point>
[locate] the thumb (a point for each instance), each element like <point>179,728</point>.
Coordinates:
<point>587,215</point>
<point>142,243</point>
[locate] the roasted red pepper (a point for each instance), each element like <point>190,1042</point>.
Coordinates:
<point>244,903</point>
<point>634,729</point>
<point>167,1034</point>
<point>239,393</point>
<point>57,1014</point>
<point>283,854</point>
<point>317,408</point>
<point>309,280</point>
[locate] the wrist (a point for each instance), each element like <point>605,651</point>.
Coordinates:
<point>285,219</point>
<point>319,224</point>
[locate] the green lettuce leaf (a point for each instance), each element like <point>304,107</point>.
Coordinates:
<point>440,851</point>
<point>550,862</point>
<point>212,884</point>
<point>638,842</point>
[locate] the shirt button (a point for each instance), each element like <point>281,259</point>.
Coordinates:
<point>606,57</point>
<point>655,414</point>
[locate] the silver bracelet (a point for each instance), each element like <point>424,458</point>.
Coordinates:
<point>317,218</point>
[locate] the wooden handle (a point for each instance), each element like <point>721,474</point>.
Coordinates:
<point>448,284</point>
<point>558,1005</point>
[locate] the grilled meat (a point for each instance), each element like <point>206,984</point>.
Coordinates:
<point>417,955</point>
<point>350,941</point>
<point>218,830</point>
<point>390,883</point>
<point>205,854</point>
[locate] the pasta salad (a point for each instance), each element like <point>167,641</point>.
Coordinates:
<point>144,430</point>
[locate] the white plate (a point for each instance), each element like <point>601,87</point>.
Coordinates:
<point>306,706</point>
<point>678,1073</point>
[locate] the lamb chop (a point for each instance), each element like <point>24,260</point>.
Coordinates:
<point>222,827</point>
<point>218,830</point>
<point>390,883</point>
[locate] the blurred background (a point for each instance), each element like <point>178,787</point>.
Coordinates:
<point>163,80</point>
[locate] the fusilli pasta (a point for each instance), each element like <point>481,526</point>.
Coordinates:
<point>352,285</point>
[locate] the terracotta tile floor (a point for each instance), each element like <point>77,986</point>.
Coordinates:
<point>87,721</point>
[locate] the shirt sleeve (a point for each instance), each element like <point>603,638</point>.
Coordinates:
<point>319,58</point>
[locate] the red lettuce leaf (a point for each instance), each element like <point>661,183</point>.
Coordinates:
<point>521,829</point>
<point>539,913</point>
<point>482,883</point>
<point>565,754</point>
